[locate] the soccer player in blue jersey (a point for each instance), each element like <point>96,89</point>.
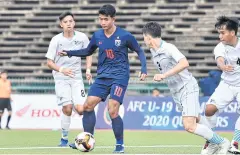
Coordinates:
<point>112,71</point>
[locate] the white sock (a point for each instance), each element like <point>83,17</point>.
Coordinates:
<point>203,131</point>
<point>65,124</point>
<point>237,124</point>
<point>212,120</point>
<point>208,134</point>
<point>236,136</point>
<point>204,120</point>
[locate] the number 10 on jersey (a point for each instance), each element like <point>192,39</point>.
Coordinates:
<point>109,53</point>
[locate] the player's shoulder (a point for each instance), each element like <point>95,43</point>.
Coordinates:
<point>80,34</point>
<point>99,32</point>
<point>220,46</point>
<point>57,37</point>
<point>123,32</point>
<point>168,46</point>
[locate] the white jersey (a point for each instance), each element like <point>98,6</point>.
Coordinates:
<point>166,58</point>
<point>60,43</point>
<point>232,57</point>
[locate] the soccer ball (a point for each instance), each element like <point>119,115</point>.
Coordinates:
<point>85,142</point>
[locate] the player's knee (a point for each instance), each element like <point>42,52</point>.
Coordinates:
<point>189,127</point>
<point>210,110</point>
<point>67,110</point>
<point>113,113</point>
<point>79,109</point>
<point>113,109</point>
<point>88,106</point>
<point>9,113</point>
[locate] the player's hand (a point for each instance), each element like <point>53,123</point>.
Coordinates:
<point>67,72</point>
<point>227,68</point>
<point>89,76</point>
<point>159,77</point>
<point>142,76</point>
<point>62,53</point>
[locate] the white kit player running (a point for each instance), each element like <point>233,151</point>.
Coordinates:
<point>172,65</point>
<point>67,72</point>
<point>227,56</point>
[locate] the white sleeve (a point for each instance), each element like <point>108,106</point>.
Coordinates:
<point>175,53</point>
<point>52,49</point>
<point>219,51</point>
<point>85,41</point>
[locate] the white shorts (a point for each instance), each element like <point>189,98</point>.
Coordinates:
<point>223,95</point>
<point>187,99</point>
<point>70,92</point>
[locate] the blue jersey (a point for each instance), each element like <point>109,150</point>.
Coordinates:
<point>113,53</point>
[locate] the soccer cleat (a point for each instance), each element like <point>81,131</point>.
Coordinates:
<point>73,146</point>
<point>63,142</point>
<point>209,148</point>
<point>7,127</point>
<point>234,148</point>
<point>223,147</point>
<point>119,148</point>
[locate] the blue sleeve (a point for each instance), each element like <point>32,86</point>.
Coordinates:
<point>134,46</point>
<point>86,51</point>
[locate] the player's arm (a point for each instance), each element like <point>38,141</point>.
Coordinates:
<point>86,51</point>
<point>88,62</point>
<point>181,65</point>
<point>9,87</point>
<point>134,46</point>
<point>51,53</point>
<point>221,65</point>
<point>219,51</point>
<point>66,71</point>
<point>178,57</point>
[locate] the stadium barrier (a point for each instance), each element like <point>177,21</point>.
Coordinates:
<point>138,113</point>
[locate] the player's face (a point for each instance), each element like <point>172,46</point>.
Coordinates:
<point>155,93</point>
<point>225,35</point>
<point>67,24</point>
<point>106,22</point>
<point>147,40</point>
<point>4,76</point>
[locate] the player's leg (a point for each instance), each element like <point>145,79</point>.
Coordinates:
<point>89,117</point>
<point>63,92</point>
<point>215,105</point>
<point>191,109</point>
<point>236,137</point>
<point>116,99</point>
<point>1,111</point>
<point>2,107</point>
<point>78,96</point>
<point>9,108</point>
<point>97,93</point>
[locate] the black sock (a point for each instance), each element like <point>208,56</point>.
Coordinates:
<point>89,121</point>
<point>117,126</point>
<point>8,119</point>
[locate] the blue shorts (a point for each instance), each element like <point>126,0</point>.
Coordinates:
<point>102,87</point>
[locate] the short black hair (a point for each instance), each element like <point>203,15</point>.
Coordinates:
<point>153,29</point>
<point>3,71</point>
<point>64,14</point>
<point>107,10</point>
<point>230,23</point>
<point>156,89</point>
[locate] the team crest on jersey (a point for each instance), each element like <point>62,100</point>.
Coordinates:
<point>117,43</point>
<point>78,43</point>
